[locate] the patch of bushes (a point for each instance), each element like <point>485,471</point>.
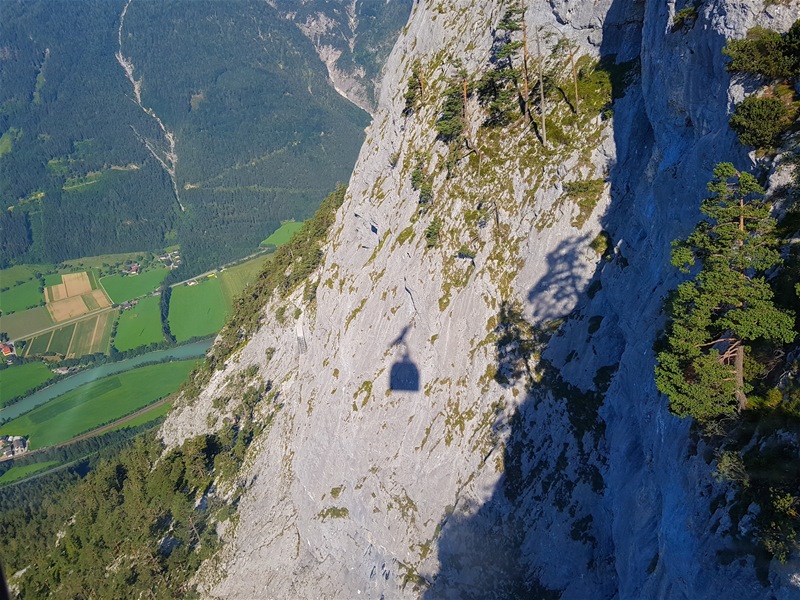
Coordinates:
<point>601,244</point>
<point>759,122</point>
<point>766,52</point>
<point>685,17</point>
<point>422,182</point>
<point>586,193</point>
<point>414,91</point>
<point>451,123</point>
<point>432,232</point>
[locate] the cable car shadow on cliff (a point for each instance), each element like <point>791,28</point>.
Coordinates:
<point>404,375</point>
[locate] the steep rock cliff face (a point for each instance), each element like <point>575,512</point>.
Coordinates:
<point>478,418</point>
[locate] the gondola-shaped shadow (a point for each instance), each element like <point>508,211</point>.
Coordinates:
<point>404,376</point>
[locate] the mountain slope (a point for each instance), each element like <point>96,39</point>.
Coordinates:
<point>202,124</point>
<point>463,401</point>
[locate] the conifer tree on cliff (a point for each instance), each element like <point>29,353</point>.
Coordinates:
<point>726,306</point>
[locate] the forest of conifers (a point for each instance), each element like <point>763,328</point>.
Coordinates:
<point>261,135</point>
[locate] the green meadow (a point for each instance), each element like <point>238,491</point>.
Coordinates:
<point>17,274</point>
<point>283,234</point>
<point>147,417</point>
<point>140,325</point>
<point>16,380</point>
<point>21,296</point>
<point>234,279</point>
<point>94,404</point>
<point>17,473</point>
<point>197,310</point>
<point>126,287</point>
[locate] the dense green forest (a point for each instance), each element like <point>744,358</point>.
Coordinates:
<point>260,134</point>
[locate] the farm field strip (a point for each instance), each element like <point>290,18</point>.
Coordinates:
<point>76,284</point>
<point>92,335</point>
<point>53,326</point>
<point>38,345</point>
<point>22,324</point>
<point>102,401</point>
<point>66,309</point>
<point>62,339</point>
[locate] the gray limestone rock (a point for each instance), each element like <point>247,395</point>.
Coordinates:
<point>485,424</point>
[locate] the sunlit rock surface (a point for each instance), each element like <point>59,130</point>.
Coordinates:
<point>428,442</point>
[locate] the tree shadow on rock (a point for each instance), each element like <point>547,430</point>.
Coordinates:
<point>562,285</point>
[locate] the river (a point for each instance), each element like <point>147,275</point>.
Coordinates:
<point>192,350</point>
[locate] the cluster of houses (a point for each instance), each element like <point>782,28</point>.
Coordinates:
<point>132,269</point>
<point>171,260</point>
<point>65,370</point>
<point>128,305</point>
<point>12,445</point>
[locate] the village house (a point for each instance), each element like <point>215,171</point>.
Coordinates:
<point>12,445</point>
<point>8,351</point>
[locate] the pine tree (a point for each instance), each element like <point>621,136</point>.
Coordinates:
<point>727,305</point>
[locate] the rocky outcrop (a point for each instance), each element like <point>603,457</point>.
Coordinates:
<point>472,412</point>
<point>352,38</point>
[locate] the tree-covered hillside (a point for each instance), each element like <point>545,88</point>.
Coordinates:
<point>258,133</point>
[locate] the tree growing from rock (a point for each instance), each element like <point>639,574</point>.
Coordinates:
<point>727,306</point>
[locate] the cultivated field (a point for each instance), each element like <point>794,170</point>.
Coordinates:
<point>69,308</point>
<point>75,296</point>
<point>52,279</point>
<point>140,325</point>
<point>197,310</point>
<point>91,405</point>
<point>86,336</point>
<point>61,340</point>
<point>23,323</point>
<point>126,287</point>
<point>92,335</point>
<point>96,300</point>
<point>16,380</point>
<point>38,345</point>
